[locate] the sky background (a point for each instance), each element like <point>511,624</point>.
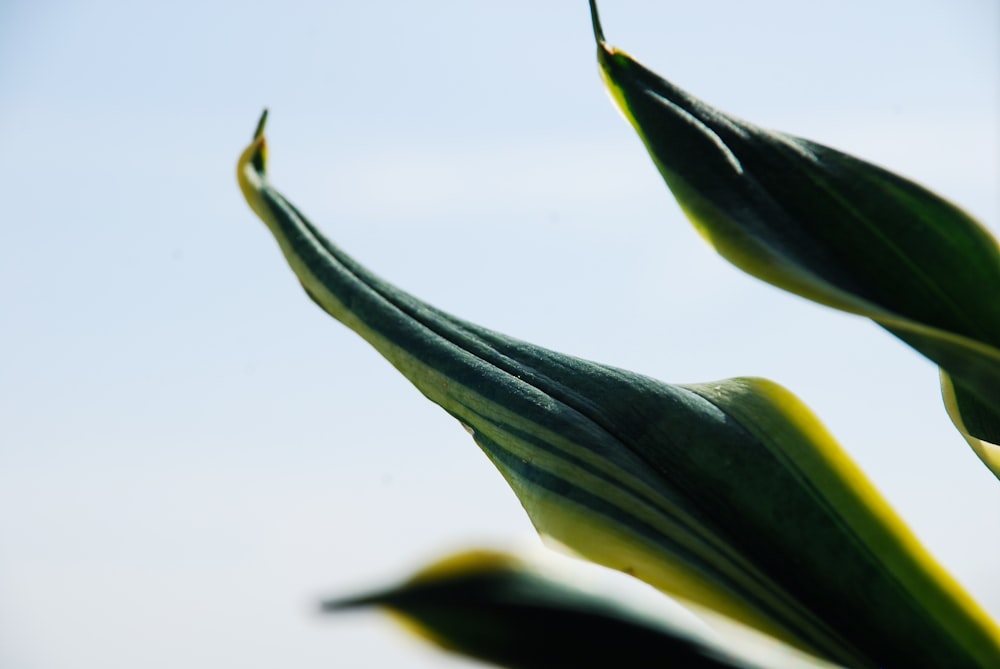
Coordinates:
<point>192,454</point>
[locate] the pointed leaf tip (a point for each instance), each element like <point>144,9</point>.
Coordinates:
<point>260,124</point>
<point>351,603</point>
<point>259,146</point>
<point>595,20</point>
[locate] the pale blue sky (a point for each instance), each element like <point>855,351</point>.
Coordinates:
<point>191,454</point>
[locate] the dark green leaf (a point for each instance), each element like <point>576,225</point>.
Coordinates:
<point>829,227</point>
<point>730,495</point>
<point>494,608</point>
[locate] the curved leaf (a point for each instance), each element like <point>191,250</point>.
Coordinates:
<point>831,228</point>
<point>730,495</point>
<point>977,422</point>
<point>495,608</point>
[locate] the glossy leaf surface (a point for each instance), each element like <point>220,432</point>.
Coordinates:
<point>832,228</point>
<point>730,494</point>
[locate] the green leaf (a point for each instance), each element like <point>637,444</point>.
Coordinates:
<point>729,495</point>
<point>495,608</point>
<point>977,422</point>
<point>829,227</point>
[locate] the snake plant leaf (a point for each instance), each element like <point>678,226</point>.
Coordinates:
<point>831,228</point>
<point>729,495</point>
<point>495,608</point>
<point>977,422</point>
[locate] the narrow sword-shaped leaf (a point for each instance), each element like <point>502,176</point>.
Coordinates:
<point>495,608</point>
<point>831,228</point>
<point>730,495</point>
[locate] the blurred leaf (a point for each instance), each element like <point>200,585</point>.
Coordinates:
<point>973,418</point>
<point>831,228</point>
<point>730,495</point>
<point>495,608</point>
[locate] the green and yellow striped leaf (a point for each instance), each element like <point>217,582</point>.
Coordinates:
<point>831,228</point>
<point>496,608</point>
<point>730,495</point>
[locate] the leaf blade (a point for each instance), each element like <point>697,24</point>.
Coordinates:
<point>827,226</point>
<point>626,470</point>
<point>496,608</point>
